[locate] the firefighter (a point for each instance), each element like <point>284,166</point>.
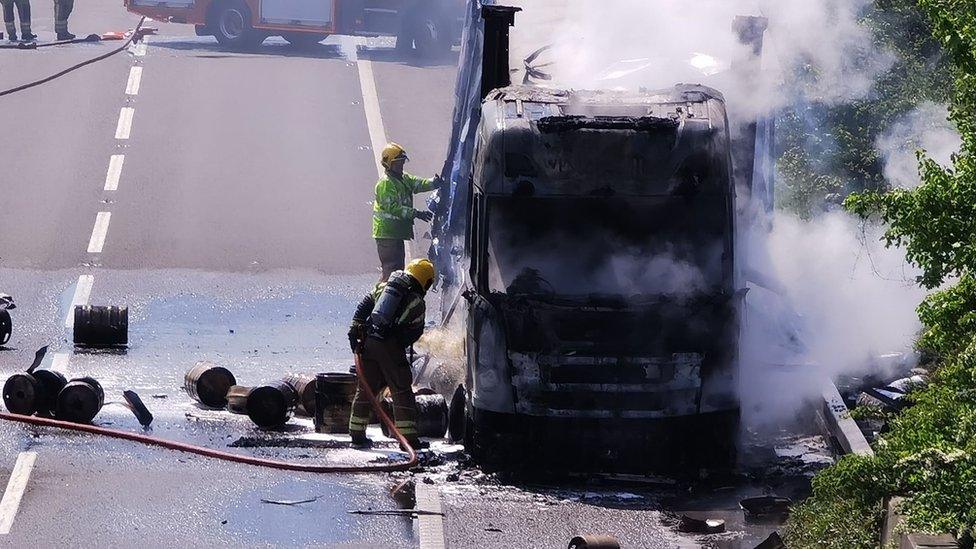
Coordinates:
<point>23,13</point>
<point>62,9</point>
<point>393,211</point>
<point>387,321</point>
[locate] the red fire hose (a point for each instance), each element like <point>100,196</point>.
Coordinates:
<point>238,458</point>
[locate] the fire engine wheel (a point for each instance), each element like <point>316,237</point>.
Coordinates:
<point>232,25</point>
<point>303,39</point>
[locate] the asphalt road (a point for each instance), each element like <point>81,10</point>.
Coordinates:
<point>238,232</point>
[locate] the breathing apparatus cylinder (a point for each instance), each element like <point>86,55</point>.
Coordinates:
<point>383,317</point>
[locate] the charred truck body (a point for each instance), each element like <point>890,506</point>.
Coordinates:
<point>596,256</point>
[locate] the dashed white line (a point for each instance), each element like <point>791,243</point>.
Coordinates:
<point>125,123</point>
<point>99,232</point>
<point>430,527</point>
<point>135,78</point>
<point>60,362</point>
<point>81,296</point>
<point>16,487</point>
<point>114,172</point>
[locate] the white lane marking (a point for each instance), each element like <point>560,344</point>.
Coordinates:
<point>99,232</point>
<point>135,78</point>
<point>125,123</point>
<point>430,527</point>
<point>374,122</point>
<point>60,362</point>
<point>114,172</point>
<point>141,47</point>
<point>16,487</point>
<point>82,294</point>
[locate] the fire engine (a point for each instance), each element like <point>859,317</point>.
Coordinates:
<point>430,26</point>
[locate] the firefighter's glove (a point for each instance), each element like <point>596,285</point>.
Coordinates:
<point>423,215</point>
<point>437,183</point>
<point>357,334</point>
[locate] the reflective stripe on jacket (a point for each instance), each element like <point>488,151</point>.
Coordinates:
<point>393,209</point>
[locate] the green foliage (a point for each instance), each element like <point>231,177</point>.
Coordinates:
<point>829,150</point>
<point>949,317</point>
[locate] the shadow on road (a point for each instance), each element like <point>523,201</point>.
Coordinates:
<point>408,57</point>
<point>208,48</point>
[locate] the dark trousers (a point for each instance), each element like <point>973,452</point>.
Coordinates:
<point>384,364</point>
<point>62,10</point>
<point>392,254</point>
<point>23,13</point>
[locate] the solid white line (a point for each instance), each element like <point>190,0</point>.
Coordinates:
<point>16,487</point>
<point>374,122</point>
<point>99,232</point>
<point>82,294</point>
<point>135,78</point>
<point>114,172</point>
<point>430,527</point>
<point>125,123</point>
<point>60,362</point>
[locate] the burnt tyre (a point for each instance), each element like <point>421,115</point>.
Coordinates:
<point>230,22</point>
<point>304,39</point>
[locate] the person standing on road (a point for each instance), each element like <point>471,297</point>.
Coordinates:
<point>393,211</point>
<point>62,10</point>
<point>23,13</point>
<point>387,321</point>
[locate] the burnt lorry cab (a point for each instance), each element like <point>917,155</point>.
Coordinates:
<point>602,318</point>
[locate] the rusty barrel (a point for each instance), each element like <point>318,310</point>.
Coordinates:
<point>101,326</point>
<point>268,406</point>
<point>334,392</point>
<point>208,384</point>
<point>36,392</point>
<point>431,415</point>
<point>80,400</point>
<point>304,385</point>
<point>594,542</point>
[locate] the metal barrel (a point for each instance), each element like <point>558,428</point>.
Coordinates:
<point>101,326</point>
<point>51,383</point>
<point>237,399</point>
<point>208,384</point>
<point>431,415</point>
<point>334,392</point>
<point>304,385</point>
<point>20,394</point>
<point>594,542</point>
<point>271,405</point>
<point>80,400</point>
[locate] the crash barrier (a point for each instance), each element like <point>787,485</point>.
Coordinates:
<point>238,458</point>
<point>268,406</point>
<point>136,35</point>
<point>208,384</point>
<point>334,392</point>
<point>101,326</point>
<point>304,385</point>
<point>431,414</point>
<point>594,542</point>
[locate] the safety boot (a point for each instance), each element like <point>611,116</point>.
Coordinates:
<point>12,37</point>
<point>28,37</point>
<point>65,35</point>
<point>360,440</point>
<point>418,444</point>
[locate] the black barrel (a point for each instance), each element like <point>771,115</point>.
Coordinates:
<point>208,384</point>
<point>271,405</point>
<point>304,385</point>
<point>431,415</point>
<point>334,392</point>
<point>80,400</point>
<point>6,326</point>
<point>33,393</point>
<point>101,326</point>
<point>237,399</point>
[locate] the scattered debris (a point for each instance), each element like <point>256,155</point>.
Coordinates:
<point>394,512</point>
<point>766,507</point>
<point>290,501</point>
<point>139,409</point>
<point>774,541</point>
<point>694,525</point>
<point>404,493</point>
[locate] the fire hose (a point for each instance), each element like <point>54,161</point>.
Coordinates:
<point>136,35</point>
<point>238,458</point>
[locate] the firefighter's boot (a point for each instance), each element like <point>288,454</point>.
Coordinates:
<point>65,35</point>
<point>360,440</point>
<point>27,37</point>
<point>418,444</point>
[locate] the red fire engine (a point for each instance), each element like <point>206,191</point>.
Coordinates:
<point>430,25</point>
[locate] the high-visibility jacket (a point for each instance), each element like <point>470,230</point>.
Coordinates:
<point>393,209</point>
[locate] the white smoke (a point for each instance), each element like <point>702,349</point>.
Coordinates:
<point>926,128</point>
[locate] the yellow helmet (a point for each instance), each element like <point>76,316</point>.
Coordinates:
<point>422,270</point>
<point>391,152</point>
